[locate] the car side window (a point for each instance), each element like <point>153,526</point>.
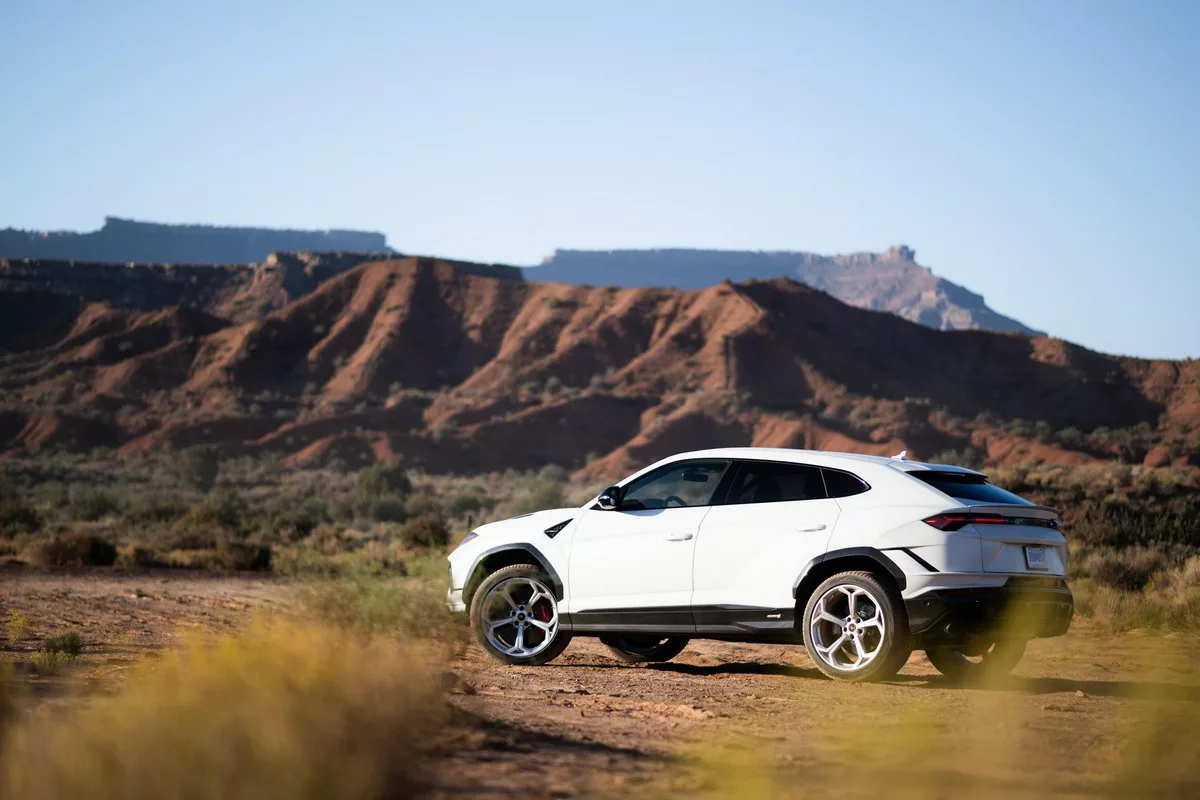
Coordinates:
<point>843,484</point>
<point>775,482</point>
<point>688,483</point>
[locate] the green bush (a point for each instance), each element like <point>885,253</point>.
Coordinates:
<point>380,479</point>
<point>294,519</point>
<point>16,517</point>
<point>429,530</point>
<point>199,467</point>
<point>69,643</point>
<point>223,511</point>
<point>421,504</point>
<point>74,550</point>
<point>466,503</point>
<point>52,495</point>
<point>150,509</point>
<point>1130,569</point>
<point>46,663</point>
<point>91,503</point>
<point>388,508</point>
<point>242,556</point>
<point>539,495</point>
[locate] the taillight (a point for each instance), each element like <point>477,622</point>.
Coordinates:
<point>955,521</point>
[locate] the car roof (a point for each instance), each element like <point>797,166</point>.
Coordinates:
<point>823,458</point>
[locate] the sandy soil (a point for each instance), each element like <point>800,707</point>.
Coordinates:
<point>1086,715</point>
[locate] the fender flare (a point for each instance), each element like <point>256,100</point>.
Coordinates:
<point>542,561</point>
<point>871,553</point>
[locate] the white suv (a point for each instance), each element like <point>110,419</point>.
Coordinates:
<point>861,558</point>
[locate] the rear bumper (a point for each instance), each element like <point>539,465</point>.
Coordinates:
<point>1022,608</point>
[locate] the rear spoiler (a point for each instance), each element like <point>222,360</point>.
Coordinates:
<point>1012,510</point>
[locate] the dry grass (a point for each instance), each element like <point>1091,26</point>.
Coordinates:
<point>281,711</point>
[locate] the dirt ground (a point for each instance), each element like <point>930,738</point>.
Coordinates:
<point>1090,714</point>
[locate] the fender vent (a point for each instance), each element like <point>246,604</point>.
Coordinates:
<point>554,530</point>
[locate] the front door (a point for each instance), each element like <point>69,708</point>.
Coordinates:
<point>631,567</point>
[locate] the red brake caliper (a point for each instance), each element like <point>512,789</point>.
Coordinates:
<point>541,610</point>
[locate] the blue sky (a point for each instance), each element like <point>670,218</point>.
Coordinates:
<point>1043,154</point>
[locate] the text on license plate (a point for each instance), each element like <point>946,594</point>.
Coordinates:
<point>1035,558</point>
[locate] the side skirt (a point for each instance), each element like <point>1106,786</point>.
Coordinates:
<point>724,622</point>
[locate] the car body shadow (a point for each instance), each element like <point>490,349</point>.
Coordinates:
<point>1134,690</point>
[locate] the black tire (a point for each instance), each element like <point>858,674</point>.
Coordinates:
<point>995,662</point>
<point>482,605</point>
<point>634,649</point>
<point>892,647</point>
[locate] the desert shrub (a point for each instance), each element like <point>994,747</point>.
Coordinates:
<point>139,557</point>
<point>45,662</point>
<point>242,556</point>
<point>91,503</point>
<point>428,530</point>
<point>221,512</point>
<point>295,712</point>
<point>74,550</point>
<point>466,503</point>
<point>199,467</point>
<point>150,509</point>
<point>294,519</point>
<point>51,494</point>
<point>16,518</point>
<point>422,503</point>
<point>387,508</point>
<point>380,479</point>
<point>371,605</point>
<point>541,493</point>
<point>69,643</point>
<point>1130,569</point>
<point>17,626</point>
<point>1187,576</point>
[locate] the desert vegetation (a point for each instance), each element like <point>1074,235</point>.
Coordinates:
<point>342,688</point>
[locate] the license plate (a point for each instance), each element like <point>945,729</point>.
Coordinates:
<point>1035,558</point>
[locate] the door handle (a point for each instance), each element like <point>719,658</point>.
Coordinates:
<point>679,537</point>
<point>813,529</point>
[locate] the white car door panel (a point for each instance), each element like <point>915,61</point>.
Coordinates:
<point>640,555</point>
<point>750,550</point>
<point>634,559</point>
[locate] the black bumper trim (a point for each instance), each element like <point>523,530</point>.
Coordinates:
<point>1019,609</point>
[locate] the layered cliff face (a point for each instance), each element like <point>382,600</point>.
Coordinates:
<point>237,292</point>
<point>889,281</point>
<point>124,240</point>
<point>423,362</point>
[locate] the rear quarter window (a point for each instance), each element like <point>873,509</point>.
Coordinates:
<point>969,488</point>
<point>842,484</point>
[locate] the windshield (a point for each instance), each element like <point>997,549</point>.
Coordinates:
<point>970,489</point>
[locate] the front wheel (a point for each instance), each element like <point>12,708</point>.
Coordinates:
<point>514,615</point>
<point>993,661</point>
<point>856,629</point>
<point>643,649</point>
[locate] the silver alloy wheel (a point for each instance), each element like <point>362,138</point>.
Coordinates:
<point>847,628</point>
<point>520,617</point>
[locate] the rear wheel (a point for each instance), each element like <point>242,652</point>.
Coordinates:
<point>989,661</point>
<point>514,615</point>
<point>641,649</point>
<point>856,629</point>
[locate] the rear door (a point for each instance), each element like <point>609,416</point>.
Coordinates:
<point>775,518</point>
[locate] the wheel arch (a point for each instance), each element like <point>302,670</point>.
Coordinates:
<point>506,555</point>
<point>866,559</point>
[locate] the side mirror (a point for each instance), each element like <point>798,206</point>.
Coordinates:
<point>610,498</point>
